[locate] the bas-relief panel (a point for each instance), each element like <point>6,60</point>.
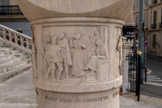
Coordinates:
<point>74,53</point>
<point>119,48</point>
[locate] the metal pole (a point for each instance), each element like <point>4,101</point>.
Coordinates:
<point>139,77</point>
<point>145,64</point>
<point>141,37</point>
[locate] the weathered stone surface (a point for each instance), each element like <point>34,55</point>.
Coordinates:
<point>116,9</point>
<point>77,51</point>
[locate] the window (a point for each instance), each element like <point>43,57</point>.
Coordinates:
<point>136,20</point>
<point>154,25</point>
<point>145,19</point>
<point>146,2</point>
<point>4,2</point>
<point>136,36</point>
<point>161,15</point>
<point>160,24</point>
<point>154,1</point>
<point>155,17</point>
<point>136,3</point>
<point>154,41</point>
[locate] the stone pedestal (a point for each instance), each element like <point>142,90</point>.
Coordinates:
<point>77,51</point>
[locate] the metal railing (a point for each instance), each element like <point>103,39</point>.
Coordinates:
<point>160,25</point>
<point>10,10</point>
<point>154,1</point>
<point>153,26</point>
<point>134,74</point>
<point>18,40</point>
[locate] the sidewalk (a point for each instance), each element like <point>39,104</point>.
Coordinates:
<point>151,91</point>
<point>20,89</point>
<point>130,101</point>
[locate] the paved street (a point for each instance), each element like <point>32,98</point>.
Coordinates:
<point>154,85</point>
<point>155,64</point>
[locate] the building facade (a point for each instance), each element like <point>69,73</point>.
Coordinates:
<point>153,25</point>
<point>12,17</point>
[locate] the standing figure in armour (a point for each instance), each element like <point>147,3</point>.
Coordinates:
<point>65,54</point>
<point>54,59</point>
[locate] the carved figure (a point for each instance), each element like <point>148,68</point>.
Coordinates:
<point>101,53</point>
<point>54,59</point>
<point>78,45</point>
<point>97,35</point>
<point>46,42</point>
<point>92,46</point>
<point>86,51</point>
<point>93,39</point>
<point>65,54</point>
<point>101,49</point>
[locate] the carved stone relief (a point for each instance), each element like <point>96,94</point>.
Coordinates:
<point>74,53</point>
<point>34,56</point>
<point>119,49</point>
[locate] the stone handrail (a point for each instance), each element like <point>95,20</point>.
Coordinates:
<point>16,39</point>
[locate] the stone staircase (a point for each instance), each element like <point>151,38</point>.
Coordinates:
<point>13,60</point>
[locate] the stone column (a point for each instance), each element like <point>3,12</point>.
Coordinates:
<point>77,51</point>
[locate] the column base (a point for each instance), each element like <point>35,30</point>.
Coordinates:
<point>104,99</point>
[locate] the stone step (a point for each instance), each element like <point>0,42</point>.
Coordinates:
<point>5,57</point>
<point>18,54</point>
<point>14,72</point>
<point>8,60</point>
<point>1,43</point>
<point>25,57</point>
<point>4,49</point>
<point>3,53</point>
<point>10,66</point>
<point>15,51</point>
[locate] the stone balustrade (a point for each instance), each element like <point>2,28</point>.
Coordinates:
<point>16,39</point>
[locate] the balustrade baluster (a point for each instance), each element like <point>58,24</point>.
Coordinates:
<point>27,43</point>
<point>9,35</point>
<point>15,38</point>
<point>4,34</point>
<point>21,41</point>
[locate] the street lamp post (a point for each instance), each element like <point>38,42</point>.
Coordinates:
<point>141,37</point>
